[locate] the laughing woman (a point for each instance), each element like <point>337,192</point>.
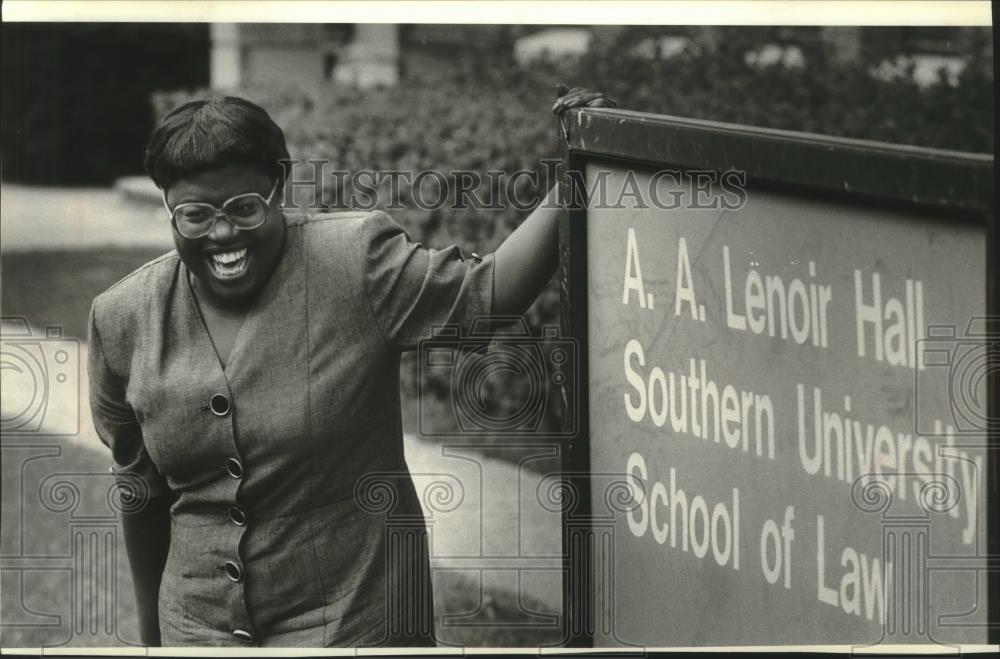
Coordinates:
<point>246,381</point>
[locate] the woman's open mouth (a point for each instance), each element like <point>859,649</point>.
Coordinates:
<point>229,265</point>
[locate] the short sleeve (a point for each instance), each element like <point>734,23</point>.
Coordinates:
<point>116,424</point>
<point>411,289</point>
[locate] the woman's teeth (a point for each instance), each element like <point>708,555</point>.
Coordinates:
<point>229,264</point>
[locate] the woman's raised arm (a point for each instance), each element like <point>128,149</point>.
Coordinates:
<point>527,259</point>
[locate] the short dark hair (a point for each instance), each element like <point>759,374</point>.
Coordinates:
<point>208,134</point>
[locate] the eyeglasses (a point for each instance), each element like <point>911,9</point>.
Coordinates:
<point>196,219</point>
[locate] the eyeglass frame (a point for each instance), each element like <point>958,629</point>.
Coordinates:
<point>220,210</point>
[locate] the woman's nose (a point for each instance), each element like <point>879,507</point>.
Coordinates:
<point>222,231</point>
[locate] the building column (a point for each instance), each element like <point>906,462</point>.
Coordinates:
<point>372,58</point>
<point>227,61</point>
<point>844,42</point>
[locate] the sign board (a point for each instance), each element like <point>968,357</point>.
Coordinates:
<point>789,388</point>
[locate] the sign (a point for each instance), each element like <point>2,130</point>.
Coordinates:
<point>785,344</point>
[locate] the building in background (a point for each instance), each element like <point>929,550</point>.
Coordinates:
<point>552,43</point>
<point>249,54</point>
<point>76,97</point>
<point>364,55</point>
<point>374,55</point>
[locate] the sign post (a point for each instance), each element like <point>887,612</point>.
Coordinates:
<point>789,371</point>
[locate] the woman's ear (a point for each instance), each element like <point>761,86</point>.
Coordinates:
<point>165,192</point>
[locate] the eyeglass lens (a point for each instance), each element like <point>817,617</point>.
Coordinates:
<point>244,212</point>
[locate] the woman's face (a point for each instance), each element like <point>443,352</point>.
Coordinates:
<point>224,273</point>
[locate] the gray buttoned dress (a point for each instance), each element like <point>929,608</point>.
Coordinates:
<point>296,521</point>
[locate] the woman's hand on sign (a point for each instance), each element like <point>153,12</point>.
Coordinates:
<point>527,259</point>
<point>579,97</point>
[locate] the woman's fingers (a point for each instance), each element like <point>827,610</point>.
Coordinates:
<point>603,102</point>
<point>562,91</point>
<point>570,100</point>
<point>579,97</point>
<point>586,98</point>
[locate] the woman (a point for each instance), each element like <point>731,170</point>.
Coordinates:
<point>248,387</point>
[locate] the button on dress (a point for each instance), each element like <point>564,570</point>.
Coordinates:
<point>296,521</point>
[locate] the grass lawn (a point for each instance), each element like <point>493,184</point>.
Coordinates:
<point>56,288</point>
<point>57,525</point>
<point>56,599</point>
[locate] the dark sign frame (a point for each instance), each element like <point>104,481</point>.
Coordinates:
<point>887,175</point>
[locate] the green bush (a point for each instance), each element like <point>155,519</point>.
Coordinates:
<point>824,96</point>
